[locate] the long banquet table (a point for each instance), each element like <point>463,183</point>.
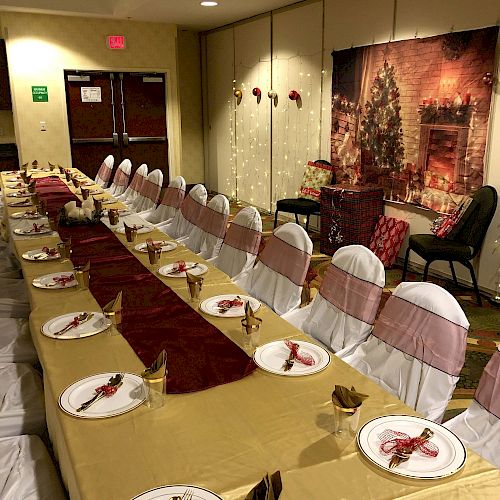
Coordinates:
<point>225,438</point>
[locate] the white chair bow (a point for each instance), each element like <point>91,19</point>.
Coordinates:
<point>479,426</point>
<point>104,174</point>
<point>342,314</point>
<point>188,215</point>
<point>121,178</point>
<point>278,277</point>
<point>132,192</point>
<point>241,244</point>
<point>149,192</point>
<point>207,235</point>
<point>26,470</point>
<point>417,348</point>
<point>170,203</point>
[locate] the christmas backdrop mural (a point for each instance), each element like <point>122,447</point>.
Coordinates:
<point>412,116</point>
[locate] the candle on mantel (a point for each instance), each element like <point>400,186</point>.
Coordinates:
<point>466,98</point>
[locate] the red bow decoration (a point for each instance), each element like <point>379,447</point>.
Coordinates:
<point>37,228</point>
<point>181,266</point>
<point>107,390</point>
<point>395,441</point>
<point>304,358</point>
<point>63,281</point>
<point>227,304</point>
<point>50,251</point>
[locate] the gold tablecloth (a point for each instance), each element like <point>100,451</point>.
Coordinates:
<point>225,438</point>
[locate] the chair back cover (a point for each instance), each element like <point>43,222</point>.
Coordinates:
<point>104,174</point>
<point>149,192</point>
<point>417,348</point>
<point>132,192</point>
<point>187,217</point>
<point>479,426</point>
<point>241,244</point>
<point>16,345</point>
<point>278,277</point>
<point>343,312</point>
<point>171,202</point>
<point>121,178</point>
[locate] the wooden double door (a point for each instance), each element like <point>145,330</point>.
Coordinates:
<point>117,113</point>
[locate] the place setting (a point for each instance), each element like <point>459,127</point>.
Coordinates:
<point>23,193</point>
<point>42,254</point>
<point>178,269</point>
<point>291,358</point>
<point>165,245</point>
<point>22,203</point>
<point>29,215</point>
<point>178,492</point>
<point>56,281</point>
<point>35,230</point>
<point>137,228</point>
<point>16,185</point>
<point>228,305</point>
<point>76,325</point>
<point>412,447</point>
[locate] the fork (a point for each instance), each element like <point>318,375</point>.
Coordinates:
<point>82,318</point>
<point>188,494</point>
<point>187,269</point>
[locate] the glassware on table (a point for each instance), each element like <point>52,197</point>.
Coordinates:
<point>35,201</point>
<point>113,312</point>
<point>251,332</point>
<point>82,276</point>
<point>75,182</point>
<point>345,421</point>
<point>64,249</point>
<point>194,286</point>
<point>85,193</point>
<point>155,381</point>
<point>114,216</point>
<point>68,175</point>
<point>32,187</point>
<point>130,234</point>
<point>154,257</point>
<point>98,204</point>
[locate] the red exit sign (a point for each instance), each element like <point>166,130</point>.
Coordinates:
<point>116,42</point>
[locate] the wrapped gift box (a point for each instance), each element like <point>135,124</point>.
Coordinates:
<point>349,215</point>
<point>387,239</point>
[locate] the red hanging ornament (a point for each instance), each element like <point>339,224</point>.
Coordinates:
<point>256,92</point>
<point>294,95</point>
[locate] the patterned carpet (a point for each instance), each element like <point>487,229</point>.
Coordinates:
<point>484,332</point>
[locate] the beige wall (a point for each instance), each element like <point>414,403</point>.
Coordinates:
<point>41,47</point>
<point>7,127</point>
<point>300,33</point>
<point>188,49</point>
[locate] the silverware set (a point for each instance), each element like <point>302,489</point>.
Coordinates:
<point>187,495</point>
<point>114,381</point>
<point>176,271</point>
<point>82,318</point>
<point>403,455</point>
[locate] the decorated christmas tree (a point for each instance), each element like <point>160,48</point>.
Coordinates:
<point>381,133</point>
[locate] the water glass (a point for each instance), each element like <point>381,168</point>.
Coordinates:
<point>345,421</point>
<point>64,249</point>
<point>114,217</point>
<point>155,390</point>
<point>82,277</point>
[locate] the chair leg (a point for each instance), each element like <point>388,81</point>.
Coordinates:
<point>426,270</point>
<point>468,265</point>
<point>453,273</point>
<point>307,223</point>
<point>275,218</point>
<point>297,219</point>
<point>405,267</point>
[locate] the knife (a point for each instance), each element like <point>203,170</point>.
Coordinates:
<point>114,381</point>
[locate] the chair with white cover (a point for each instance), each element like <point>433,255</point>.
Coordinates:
<point>187,217</point>
<point>170,203</point>
<point>121,178</point>
<point>278,277</point>
<point>16,345</point>
<point>149,192</point>
<point>342,314</point>
<point>13,298</point>
<point>104,174</point>
<point>27,471</point>
<point>22,409</point>
<point>206,238</point>
<point>241,244</point>
<point>132,192</point>
<point>479,426</point>
<point>417,348</point>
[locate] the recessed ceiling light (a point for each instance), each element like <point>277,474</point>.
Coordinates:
<point>209,4</point>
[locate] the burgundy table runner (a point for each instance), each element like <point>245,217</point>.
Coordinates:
<point>154,317</point>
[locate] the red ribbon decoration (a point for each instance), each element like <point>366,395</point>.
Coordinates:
<point>63,281</point>
<point>107,390</point>
<point>50,251</point>
<point>36,228</point>
<point>181,266</point>
<point>304,358</point>
<point>395,441</point>
<point>227,304</point>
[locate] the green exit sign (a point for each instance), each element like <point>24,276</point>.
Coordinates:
<point>40,93</point>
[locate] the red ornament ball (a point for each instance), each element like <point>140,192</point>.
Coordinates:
<point>293,95</point>
<point>256,92</point>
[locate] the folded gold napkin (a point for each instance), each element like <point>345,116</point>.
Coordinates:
<point>347,398</point>
<point>251,322</point>
<point>157,372</point>
<point>113,309</point>
<point>268,489</point>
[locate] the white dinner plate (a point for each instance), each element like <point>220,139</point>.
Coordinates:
<point>30,232</point>
<point>87,183</point>
<point>47,281</point>
<point>166,246</point>
<point>97,324</point>
<point>450,459</point>
<point>271,357</point>
<point>19,194</point>
<point>39,255</point>
<point>209,306</point>
<point>143,230</point>
<point>121,211</point>
<point>24,215</point>
<point>167,492</point>
<point>23,203</point>
<point>169,270</point>
<point>14,185</point>
<point>17,178</point>
<point>129,396</point>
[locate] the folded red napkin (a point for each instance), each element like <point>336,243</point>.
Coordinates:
<point>304,358</point>
<point>50,251</point>
<point>63,280</point>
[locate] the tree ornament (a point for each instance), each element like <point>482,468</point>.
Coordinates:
<point>272,94</point>
<point>238,93</point>
<point>256,92</point>
<point>293,95</point>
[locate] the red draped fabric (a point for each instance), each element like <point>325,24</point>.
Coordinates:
<point>154,317</point>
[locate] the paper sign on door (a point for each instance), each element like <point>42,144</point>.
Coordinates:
<point>91,94</point>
